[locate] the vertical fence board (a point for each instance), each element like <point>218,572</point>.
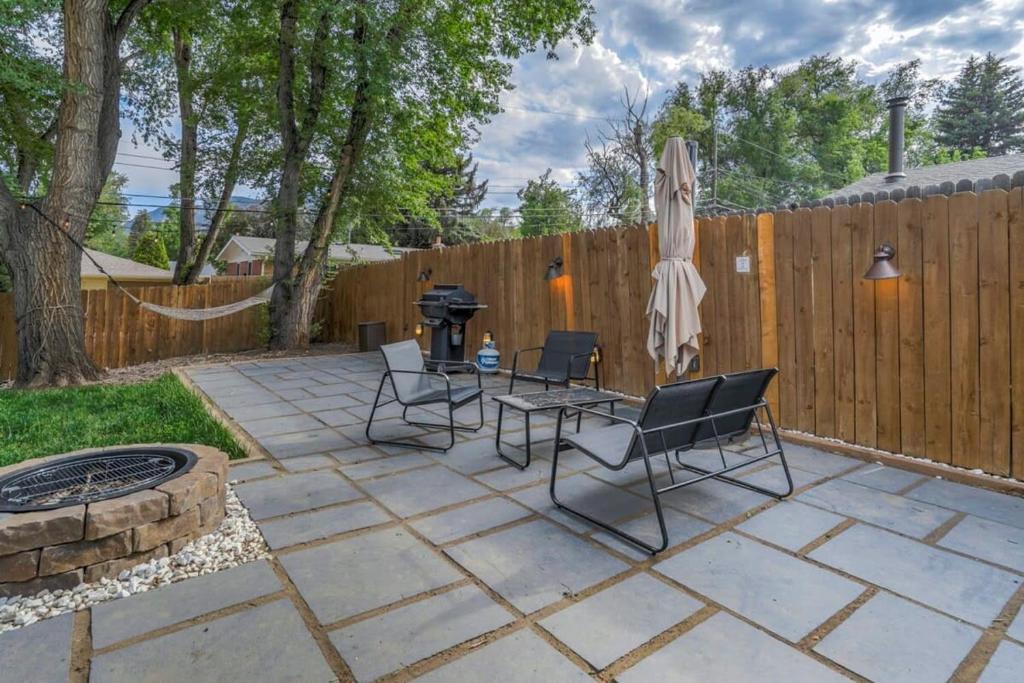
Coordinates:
<point>887,341</point>
<point>994,331</point>
<point>767,294</point>
<point>803,329</point>
<point>909,258</point>
<point>1016,250</point>
<point>963,261</point>
<point>863,247</point>
<point>786,318</point>
<point>842,322</point>
<point>935,285</point>
<point>824,346</point>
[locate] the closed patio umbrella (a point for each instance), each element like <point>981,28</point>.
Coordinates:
<point>678,288</point>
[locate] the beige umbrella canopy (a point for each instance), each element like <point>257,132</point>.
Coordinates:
<point>678,289</point>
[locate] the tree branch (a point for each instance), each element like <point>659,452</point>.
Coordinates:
<point>124,22</point>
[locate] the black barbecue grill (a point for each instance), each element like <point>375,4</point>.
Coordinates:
<point>446,309</point>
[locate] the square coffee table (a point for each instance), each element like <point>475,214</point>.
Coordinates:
<point>539,401</point>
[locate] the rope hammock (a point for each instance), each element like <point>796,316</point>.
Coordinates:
<point>196,314</point>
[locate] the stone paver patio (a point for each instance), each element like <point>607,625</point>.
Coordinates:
<point>399,563</point>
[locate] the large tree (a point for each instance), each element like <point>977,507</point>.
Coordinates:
<point>983,108</point>
<point>545,208</point>
<point>64,157</point>
<point>372,90</point>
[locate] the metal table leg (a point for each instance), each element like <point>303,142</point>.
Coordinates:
<point>497,440</point>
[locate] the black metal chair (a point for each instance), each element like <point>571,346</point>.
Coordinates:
<point>565,356</point>
<point>677,417</point>
<point>415,387</point>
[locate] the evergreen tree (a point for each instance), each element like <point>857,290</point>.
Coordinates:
<point>151,251</point>
<point>140,225</point>
<point>983,108</point>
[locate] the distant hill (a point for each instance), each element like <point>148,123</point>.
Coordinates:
<point>203,217</point>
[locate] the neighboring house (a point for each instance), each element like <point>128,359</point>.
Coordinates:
<point>940,178</point>
<point>255,255</point>
<point>206,273</point>
<point>127,272</point>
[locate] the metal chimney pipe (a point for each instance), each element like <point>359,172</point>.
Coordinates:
<point>897,115</point>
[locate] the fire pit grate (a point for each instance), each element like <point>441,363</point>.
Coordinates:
<point>91,477</point>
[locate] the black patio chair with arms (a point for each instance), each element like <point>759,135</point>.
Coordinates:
<point>674,418</point>
<point>415,387</point>
<point>565,356</point>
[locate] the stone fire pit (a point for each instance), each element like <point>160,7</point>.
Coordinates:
<point>63,547</point>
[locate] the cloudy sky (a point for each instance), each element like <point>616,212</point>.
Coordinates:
<point>649,45</point>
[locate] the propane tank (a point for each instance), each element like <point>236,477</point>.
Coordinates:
<point>487,358</point>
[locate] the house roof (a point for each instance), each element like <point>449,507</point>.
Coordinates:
<point>263,247</point>
<point>922,176</point>
<point>122,268</point>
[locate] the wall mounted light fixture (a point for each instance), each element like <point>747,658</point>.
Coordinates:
<point>554,269</point>
<point>424,275</point>
<point>882,268</point>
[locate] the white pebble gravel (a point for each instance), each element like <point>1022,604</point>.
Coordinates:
<point>236,541</point>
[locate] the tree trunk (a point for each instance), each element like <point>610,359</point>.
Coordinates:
<point>46,279</point>
<point>223,206</point>
<point>187,161</point>
<point>45,264</point>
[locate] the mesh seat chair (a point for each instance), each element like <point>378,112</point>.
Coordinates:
<point>415,387</point>
<point>674,418</point>
<point>564,357</point>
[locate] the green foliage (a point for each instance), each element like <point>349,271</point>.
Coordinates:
<point>105,230</point>
<point>547,209</point>
<point>151,251</point>
<point>983,108</point>
<point>50,421</point>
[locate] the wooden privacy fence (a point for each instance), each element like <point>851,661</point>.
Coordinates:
<point>926,365</point>
<point>118,333</point>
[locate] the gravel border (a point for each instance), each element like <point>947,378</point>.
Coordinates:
<point>236,541</point>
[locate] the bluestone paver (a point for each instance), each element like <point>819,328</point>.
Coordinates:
<point>312,526</point>
<point>305,463</point>
<point>471,457</point>
<point>813,460</point>
<point>712,500</point>
<point>965,588</point>
<point>294,493</point>
<point>709,459</point>
<point>265,643</point>
<point>988,540</point>
<point>411,493</point>
<point>681,528</point>
<point>351,456</point>
<point>117,620</point>
<point>888,479</point>
<point>600,499</point>
<point>305,443</point>
<point>519,657</point>
<point>281,425</point>
<point>538,499</point>
<point>39,652</point>
<point>313,405</point>
<point>620,619</point>
<point>773,477</point>
<point>395,463</point>
<point>1006,664</point>
<point>891,639</point>
<point>999,507</point>
<point>724,649</point>
<point>337,418</point>
<point>535,564</point>
<point>1016,629</point>
<point>351,576</point>
<point>251,470</point>
<point>790,525</point>
<point>509,477</point>
<point>896,513</point>
<point>470,519</point>
<point>396,639</point>
<point>263,411</point>
<point>786,595</point>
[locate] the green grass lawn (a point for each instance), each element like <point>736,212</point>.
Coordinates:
<point>49,421</point>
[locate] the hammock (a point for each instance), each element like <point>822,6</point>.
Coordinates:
<point>206,313</point>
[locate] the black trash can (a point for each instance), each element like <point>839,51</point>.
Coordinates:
<point>372,335</point>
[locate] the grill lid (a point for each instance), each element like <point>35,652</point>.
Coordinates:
<point>91,477</point>
<point>442,300</point>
